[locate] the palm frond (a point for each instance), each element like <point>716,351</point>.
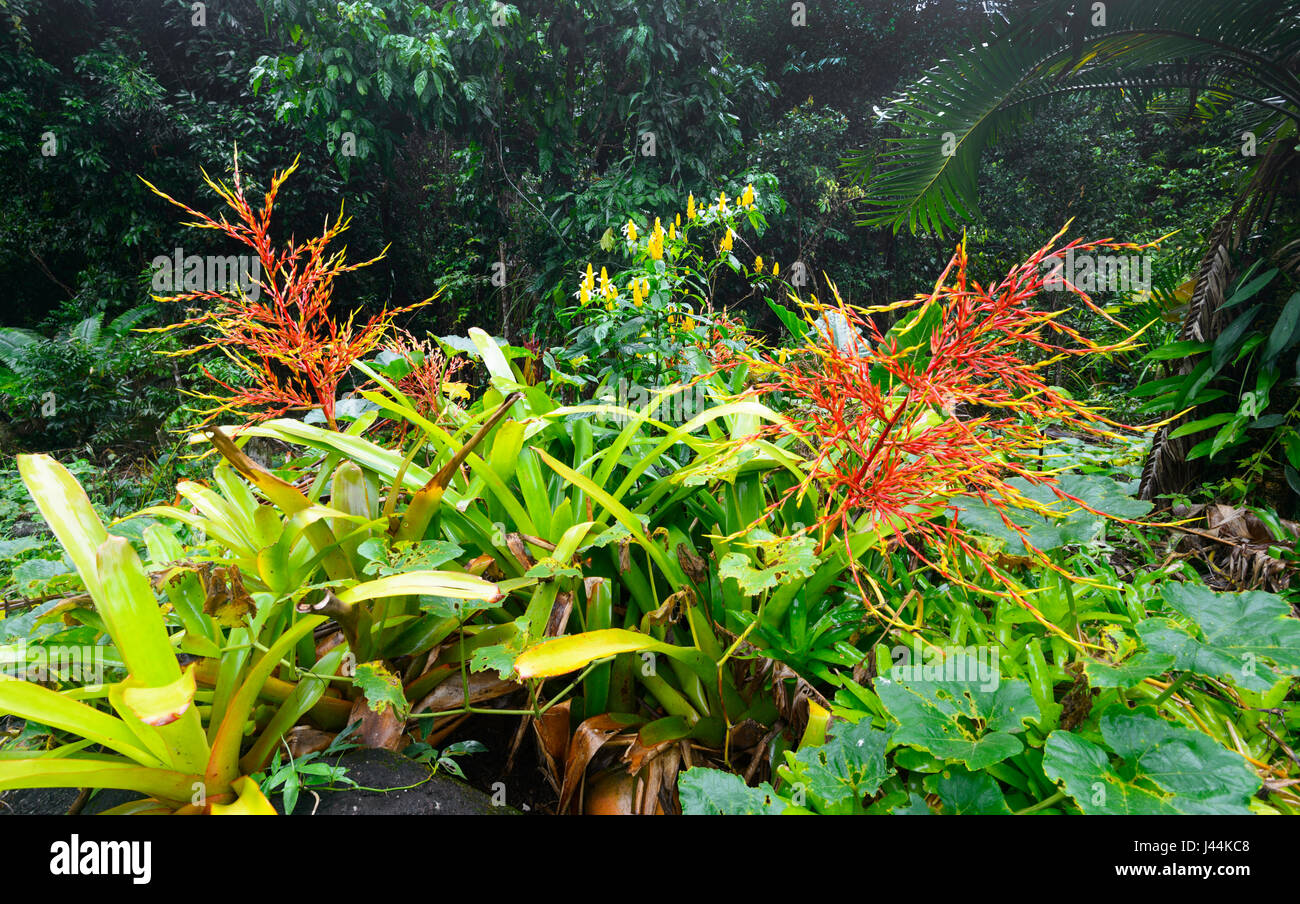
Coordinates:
<point>1207,49</point>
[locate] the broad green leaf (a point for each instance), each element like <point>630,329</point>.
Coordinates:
<point>1128,673</point>
<point>548,567</point>
<point>1174,350</point>
<point>9,549</point>
<point>783,559</point>
<point>1240,635</point>
<point>1250,289</point>
<point>1204,423</point>
<point>501,657</point>
<point>967,793</point>
<point>1069,523</point>
<point>404,557</point>
<point>1164,768</point>
<point>1230,337</point>
<point>963,720</point>
<point>711,792</point>
<point>442,607</point>
<point>845,770</point>
<point>791,321</point>
<point>33,572</point>
<point>1284,330</point>
<point>493,358</point>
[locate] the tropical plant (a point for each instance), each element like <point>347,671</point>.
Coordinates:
<point>1200,57</point>
<point>664,324</point>
<point>943,728</point>
<point>290,351</point>
<point>90,382</point>
<point>554,513</point>
<point>156,741</point>
<point>1217,53</point>
<point>1251,426</point>
<point>880,410</point>
<point>829,525</point>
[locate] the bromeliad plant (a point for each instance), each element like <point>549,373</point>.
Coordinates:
<point>870,480</point>
<point>1054,729</point>
<point>590,515</point>
<point>289,349</point>
<point>942,406</point>
<point>150,738</point>
<point>248,609</point>
<point>247,605</point>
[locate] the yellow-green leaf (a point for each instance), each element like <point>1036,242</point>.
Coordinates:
<point>433,583</point>
<point>160,705</point>
<point>250,802</point>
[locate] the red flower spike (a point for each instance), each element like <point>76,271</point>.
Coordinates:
<point>882,421</point>
<point>290,350</point>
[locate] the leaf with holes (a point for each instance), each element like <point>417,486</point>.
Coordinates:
<point>381,689</point>
<point>784,559</point>
<point>837,775</point>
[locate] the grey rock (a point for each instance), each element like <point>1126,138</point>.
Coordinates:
<point>419,794</point>
<point>440,795</point>
<point>57,801</point>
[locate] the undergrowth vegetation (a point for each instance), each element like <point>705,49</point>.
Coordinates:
<point>887,565</point>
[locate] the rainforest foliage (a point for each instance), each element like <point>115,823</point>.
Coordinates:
<point>874,407</point>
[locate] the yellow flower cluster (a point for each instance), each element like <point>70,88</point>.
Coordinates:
<point>586,289</point>
<point>656,248</point>
<point>640,289</point>
<point>656,244</point>
<point>588,286</point>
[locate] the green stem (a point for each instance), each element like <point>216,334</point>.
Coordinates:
<point>1042,804</point>
<point>1169,691</point>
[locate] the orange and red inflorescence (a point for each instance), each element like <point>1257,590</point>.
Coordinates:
<point>290,350</point>
<point>881,412</point>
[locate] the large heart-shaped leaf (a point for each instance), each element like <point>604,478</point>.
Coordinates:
<point>1163,768</point>
<point>711,792</point>
<point>1249,637</point>
<point>965,720</point>
<point>1068,524</point>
